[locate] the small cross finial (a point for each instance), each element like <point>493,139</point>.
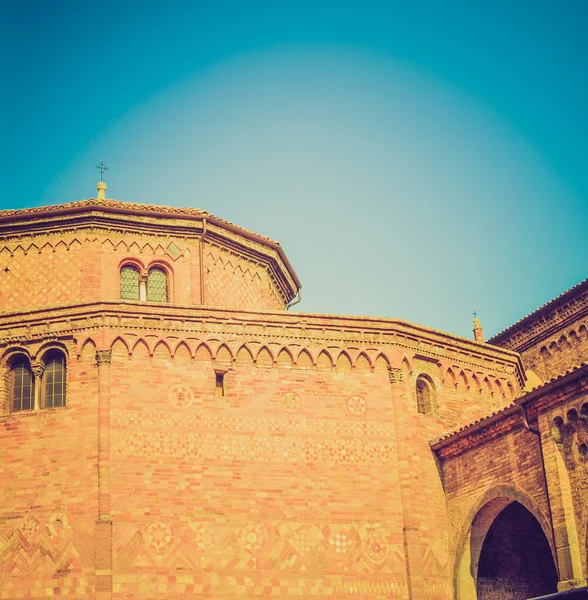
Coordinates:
<point>102,167</point>
<point>478,333</point>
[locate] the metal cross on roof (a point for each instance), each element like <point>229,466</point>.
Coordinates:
<point>475,314</point>
<point>102,167</point>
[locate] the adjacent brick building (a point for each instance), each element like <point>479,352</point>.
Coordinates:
<point>168,429</point>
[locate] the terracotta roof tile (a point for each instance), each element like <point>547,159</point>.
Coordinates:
<point>476,422</point>
<point>536,311</point>
<point>510,406</point>
<point>106,204</point>
<point>109,203</point>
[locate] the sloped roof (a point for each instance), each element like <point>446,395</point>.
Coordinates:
<point>507,410</point>
<point>483,421</point>
<point>20,219</point>
<point>117,205</point>
<point>531,316</point>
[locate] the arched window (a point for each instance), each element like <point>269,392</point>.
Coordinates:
<point>425,394</point>
<point>157,285</point>
<point>54,380</point>
<point>23,389</point>
<point>129,283</point>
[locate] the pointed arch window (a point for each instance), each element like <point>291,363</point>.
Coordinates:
<point>54,381</point>
<point>23,389</point>
<point>157,285</point>
<point>129,283</point>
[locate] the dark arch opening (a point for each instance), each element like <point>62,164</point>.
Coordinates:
<point>516,560</point>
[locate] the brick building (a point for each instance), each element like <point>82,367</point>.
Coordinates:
<point>168,429</point>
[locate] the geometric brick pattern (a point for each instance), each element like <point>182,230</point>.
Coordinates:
<point>146,420</point>
<point>249,548</point>
<point>44,544</point>
<point>235,282</point>
<point>254,586</point>
<point>286,545</point>
<point>37,279</point>
<point>276,449</point>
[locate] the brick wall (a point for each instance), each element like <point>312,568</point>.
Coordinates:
<point>33,276</point>
<point>284,484</point>
<point>144,252</point>
<point>311,476</point>
<point>482,473</point>
<point>566,459</point>
<point>308,470</point>
<point>57,269</point>
<point>48,494</point>
<point>554,338</point>
<point>553,356</point>
<point>235,282</point>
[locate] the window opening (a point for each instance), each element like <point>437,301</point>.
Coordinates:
<point>54,379</point>
<point>22,386</point>
<point>157,285</point>
<point>129,283</point>
<point>220,385</point>
<point>424,393</point>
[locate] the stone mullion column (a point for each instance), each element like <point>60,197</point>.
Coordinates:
<point>38,370</point>
<point>410,532</point>
<point>143,287</point>
<point>564,521</point>
<point>103,565</point>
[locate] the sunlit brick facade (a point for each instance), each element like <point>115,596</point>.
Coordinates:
<point>213,444</point>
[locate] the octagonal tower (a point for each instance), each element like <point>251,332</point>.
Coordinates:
<point>102,249</point>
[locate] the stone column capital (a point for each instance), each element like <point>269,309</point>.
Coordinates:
<point>103,357</point>
<point>38,369</point>
<point>395,375</point>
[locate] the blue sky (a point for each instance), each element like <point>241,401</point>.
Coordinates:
<point>416,160</point>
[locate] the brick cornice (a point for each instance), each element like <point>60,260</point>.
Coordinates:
<point>558,391</point>
<point>547,397</point>
<point>545,321</point>
<point>479,433</point>
<point>151,220</point>
<point>114,207</point>
<point>359,332</point>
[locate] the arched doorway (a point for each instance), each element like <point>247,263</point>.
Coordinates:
<point>515,560</point>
